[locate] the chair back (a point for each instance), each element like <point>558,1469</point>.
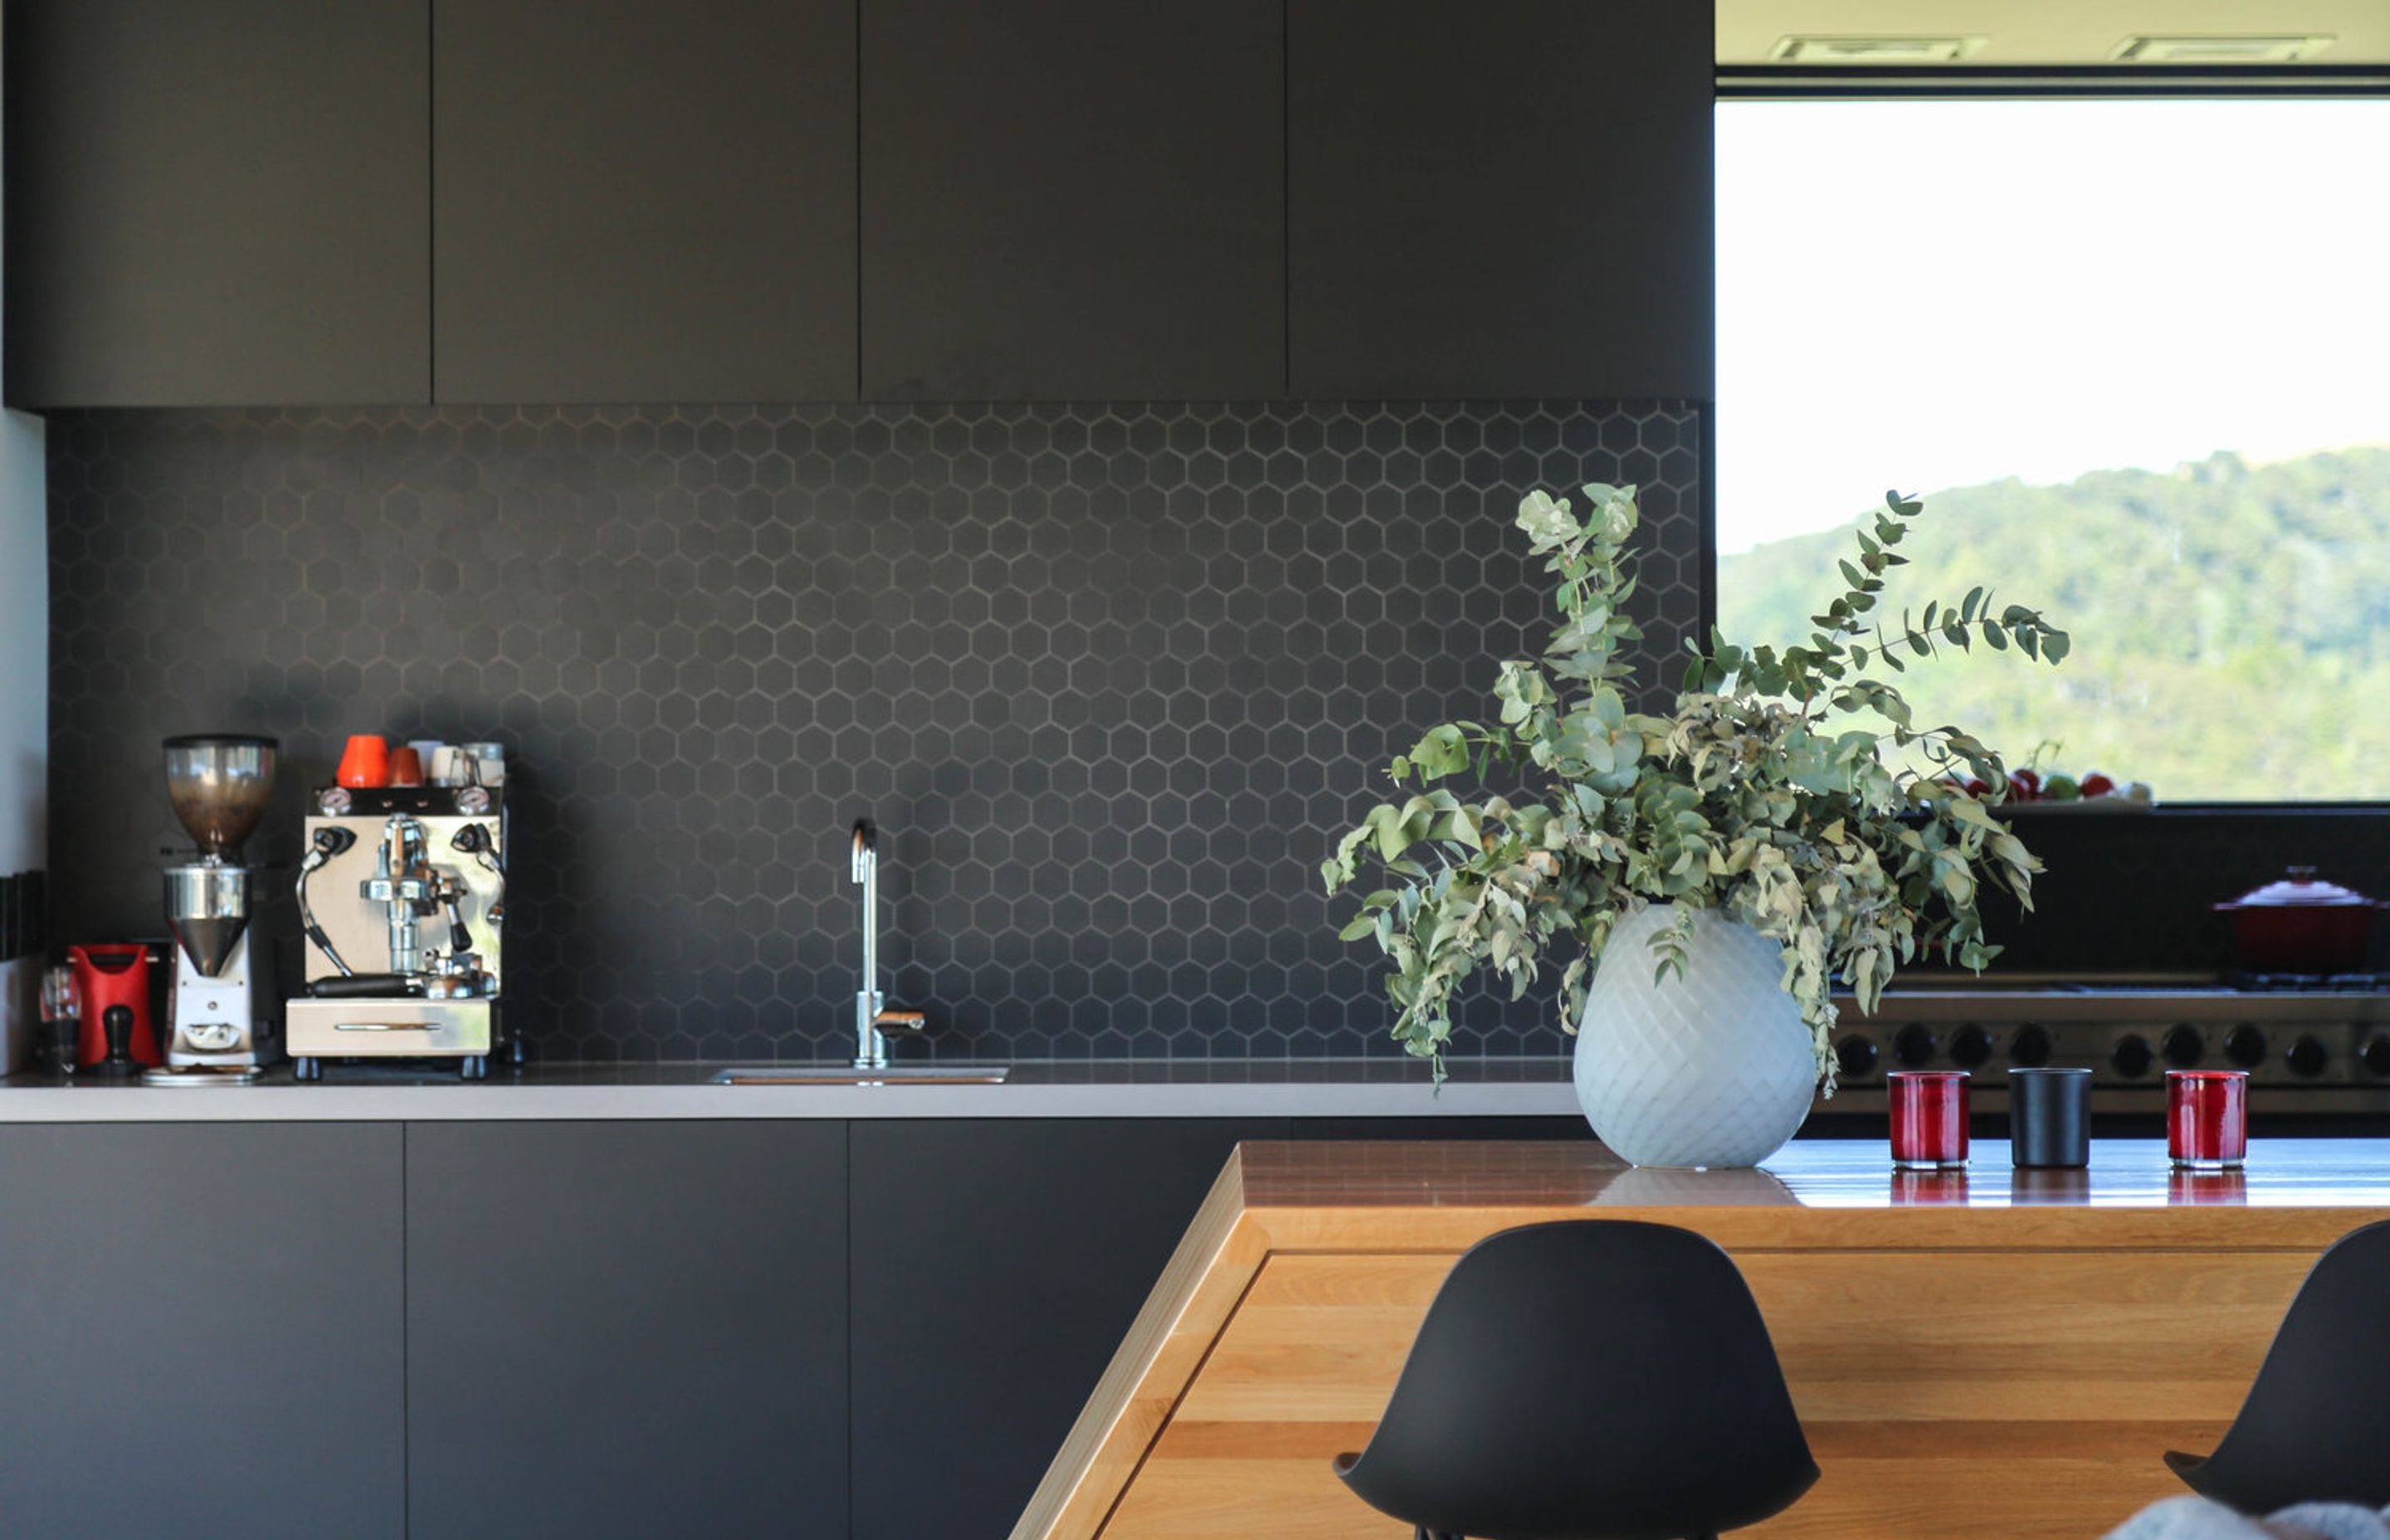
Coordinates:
<point>2315,1426</point>
<point>1589,1380</point>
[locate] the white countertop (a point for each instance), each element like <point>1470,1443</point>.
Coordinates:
<point>1113,1088</point>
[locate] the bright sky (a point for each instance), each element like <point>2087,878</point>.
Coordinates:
<point>1933,294</point>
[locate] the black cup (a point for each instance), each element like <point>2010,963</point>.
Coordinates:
<point>2049,1117</point>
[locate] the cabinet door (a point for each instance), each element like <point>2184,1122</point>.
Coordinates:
<point>645,200</point>
<point>214,204</point>
<point>998,1266</point>
<point>1072,199</point>
<point>202,1332</point>
<point>627,1329</point>
<point>1499,198</point>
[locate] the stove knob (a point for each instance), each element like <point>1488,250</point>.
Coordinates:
<point>1913,1045</point>
<point>2030,1047</point>
<point>2131,1055</point>
<point>1970,1046</point>
<point>2182,1045</point>
<point>2307,1057</point>
<point>2377,1056</point>
<point>1857,1056</point>
<point>2245,1046</point>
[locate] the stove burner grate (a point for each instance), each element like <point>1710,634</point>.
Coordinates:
<point>2307,983</point>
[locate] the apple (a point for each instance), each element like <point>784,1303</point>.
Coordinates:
<point>2024,785</point>
<point>2098,785</point>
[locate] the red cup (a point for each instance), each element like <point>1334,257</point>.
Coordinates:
<point>1929,1118</point>
<point>406,767</point>
<point>2207,1117</point>
<point>366,762</point>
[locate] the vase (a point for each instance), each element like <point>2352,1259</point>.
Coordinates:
<point>1712,1067</point>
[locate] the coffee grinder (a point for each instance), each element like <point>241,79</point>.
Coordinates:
<point>402,899</point>
<point>220,1027</point>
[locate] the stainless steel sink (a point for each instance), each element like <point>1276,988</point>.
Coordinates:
<point>843,1075</point>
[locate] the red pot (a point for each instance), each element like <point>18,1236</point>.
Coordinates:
<point>2301,925</point>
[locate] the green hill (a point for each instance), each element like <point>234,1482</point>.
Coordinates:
<point>2230,623</point>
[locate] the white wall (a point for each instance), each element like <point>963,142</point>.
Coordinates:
<point>24,697</point>
<point>24,694</point>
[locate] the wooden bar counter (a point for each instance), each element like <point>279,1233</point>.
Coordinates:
<point>1985,1353</point>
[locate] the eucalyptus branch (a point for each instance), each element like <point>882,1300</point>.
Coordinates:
<point>1763,793</point>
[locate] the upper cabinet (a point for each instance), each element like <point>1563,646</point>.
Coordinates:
<point>217,204</point>
<point>1072,199</point>
<point>1499,198</point>
<point>644,201</point>
<point>290,202</point>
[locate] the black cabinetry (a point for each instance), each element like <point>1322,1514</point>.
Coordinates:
<point>213,204</point>
<point>998,1264</point>
<point>202,1331</point>
<point>1072,199</point>
<point>627,1329</point>
<point>277,202</point>
<point>640,200</point>
<point>1499,198</point>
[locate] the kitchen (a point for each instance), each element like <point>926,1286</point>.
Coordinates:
<point>1055,434</point>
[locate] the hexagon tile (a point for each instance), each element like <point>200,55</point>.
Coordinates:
<point>1112,678</point>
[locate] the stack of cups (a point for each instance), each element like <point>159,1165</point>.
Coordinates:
<point>369,762</point>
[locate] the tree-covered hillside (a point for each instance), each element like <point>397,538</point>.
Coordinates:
<point>2230,623</point>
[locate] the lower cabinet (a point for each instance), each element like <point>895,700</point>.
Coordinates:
<point>201,1331</point>
<point>493,1330</point>
<point>628,1330</point>
<point>998,1264</point>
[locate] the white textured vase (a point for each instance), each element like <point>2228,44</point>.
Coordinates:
<point>1713,1069</point>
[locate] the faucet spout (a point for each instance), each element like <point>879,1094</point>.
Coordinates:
<point>870,1042</point>
<point>873,1020</point>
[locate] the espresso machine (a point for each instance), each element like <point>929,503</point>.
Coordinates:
<point>218,1000</point>
<point>401,900</point>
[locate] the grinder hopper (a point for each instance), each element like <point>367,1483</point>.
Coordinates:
<point>220,785</point>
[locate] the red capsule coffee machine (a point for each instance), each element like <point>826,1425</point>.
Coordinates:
<point>113,982</point>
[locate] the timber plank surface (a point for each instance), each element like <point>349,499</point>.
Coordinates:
<point>1971,1355</point>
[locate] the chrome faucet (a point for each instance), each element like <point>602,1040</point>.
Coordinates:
<point>873,1022</point>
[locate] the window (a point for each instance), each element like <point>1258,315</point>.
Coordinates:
<point>2136,356</point>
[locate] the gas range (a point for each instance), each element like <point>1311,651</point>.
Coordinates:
<point>2294,1034</point>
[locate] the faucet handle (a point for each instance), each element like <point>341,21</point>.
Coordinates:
<point>912,1023</point>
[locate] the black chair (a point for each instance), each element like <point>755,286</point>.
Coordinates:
<point>2316,1427</point>
<point>1592,1380</point>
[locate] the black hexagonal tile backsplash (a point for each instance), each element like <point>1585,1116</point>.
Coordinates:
<point>1111,677</point>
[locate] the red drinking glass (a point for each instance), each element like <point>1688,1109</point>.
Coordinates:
<point>2207,1117</point>
<point>1929,1118</point>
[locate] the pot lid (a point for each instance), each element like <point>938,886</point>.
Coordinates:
<point>2301,889</point>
